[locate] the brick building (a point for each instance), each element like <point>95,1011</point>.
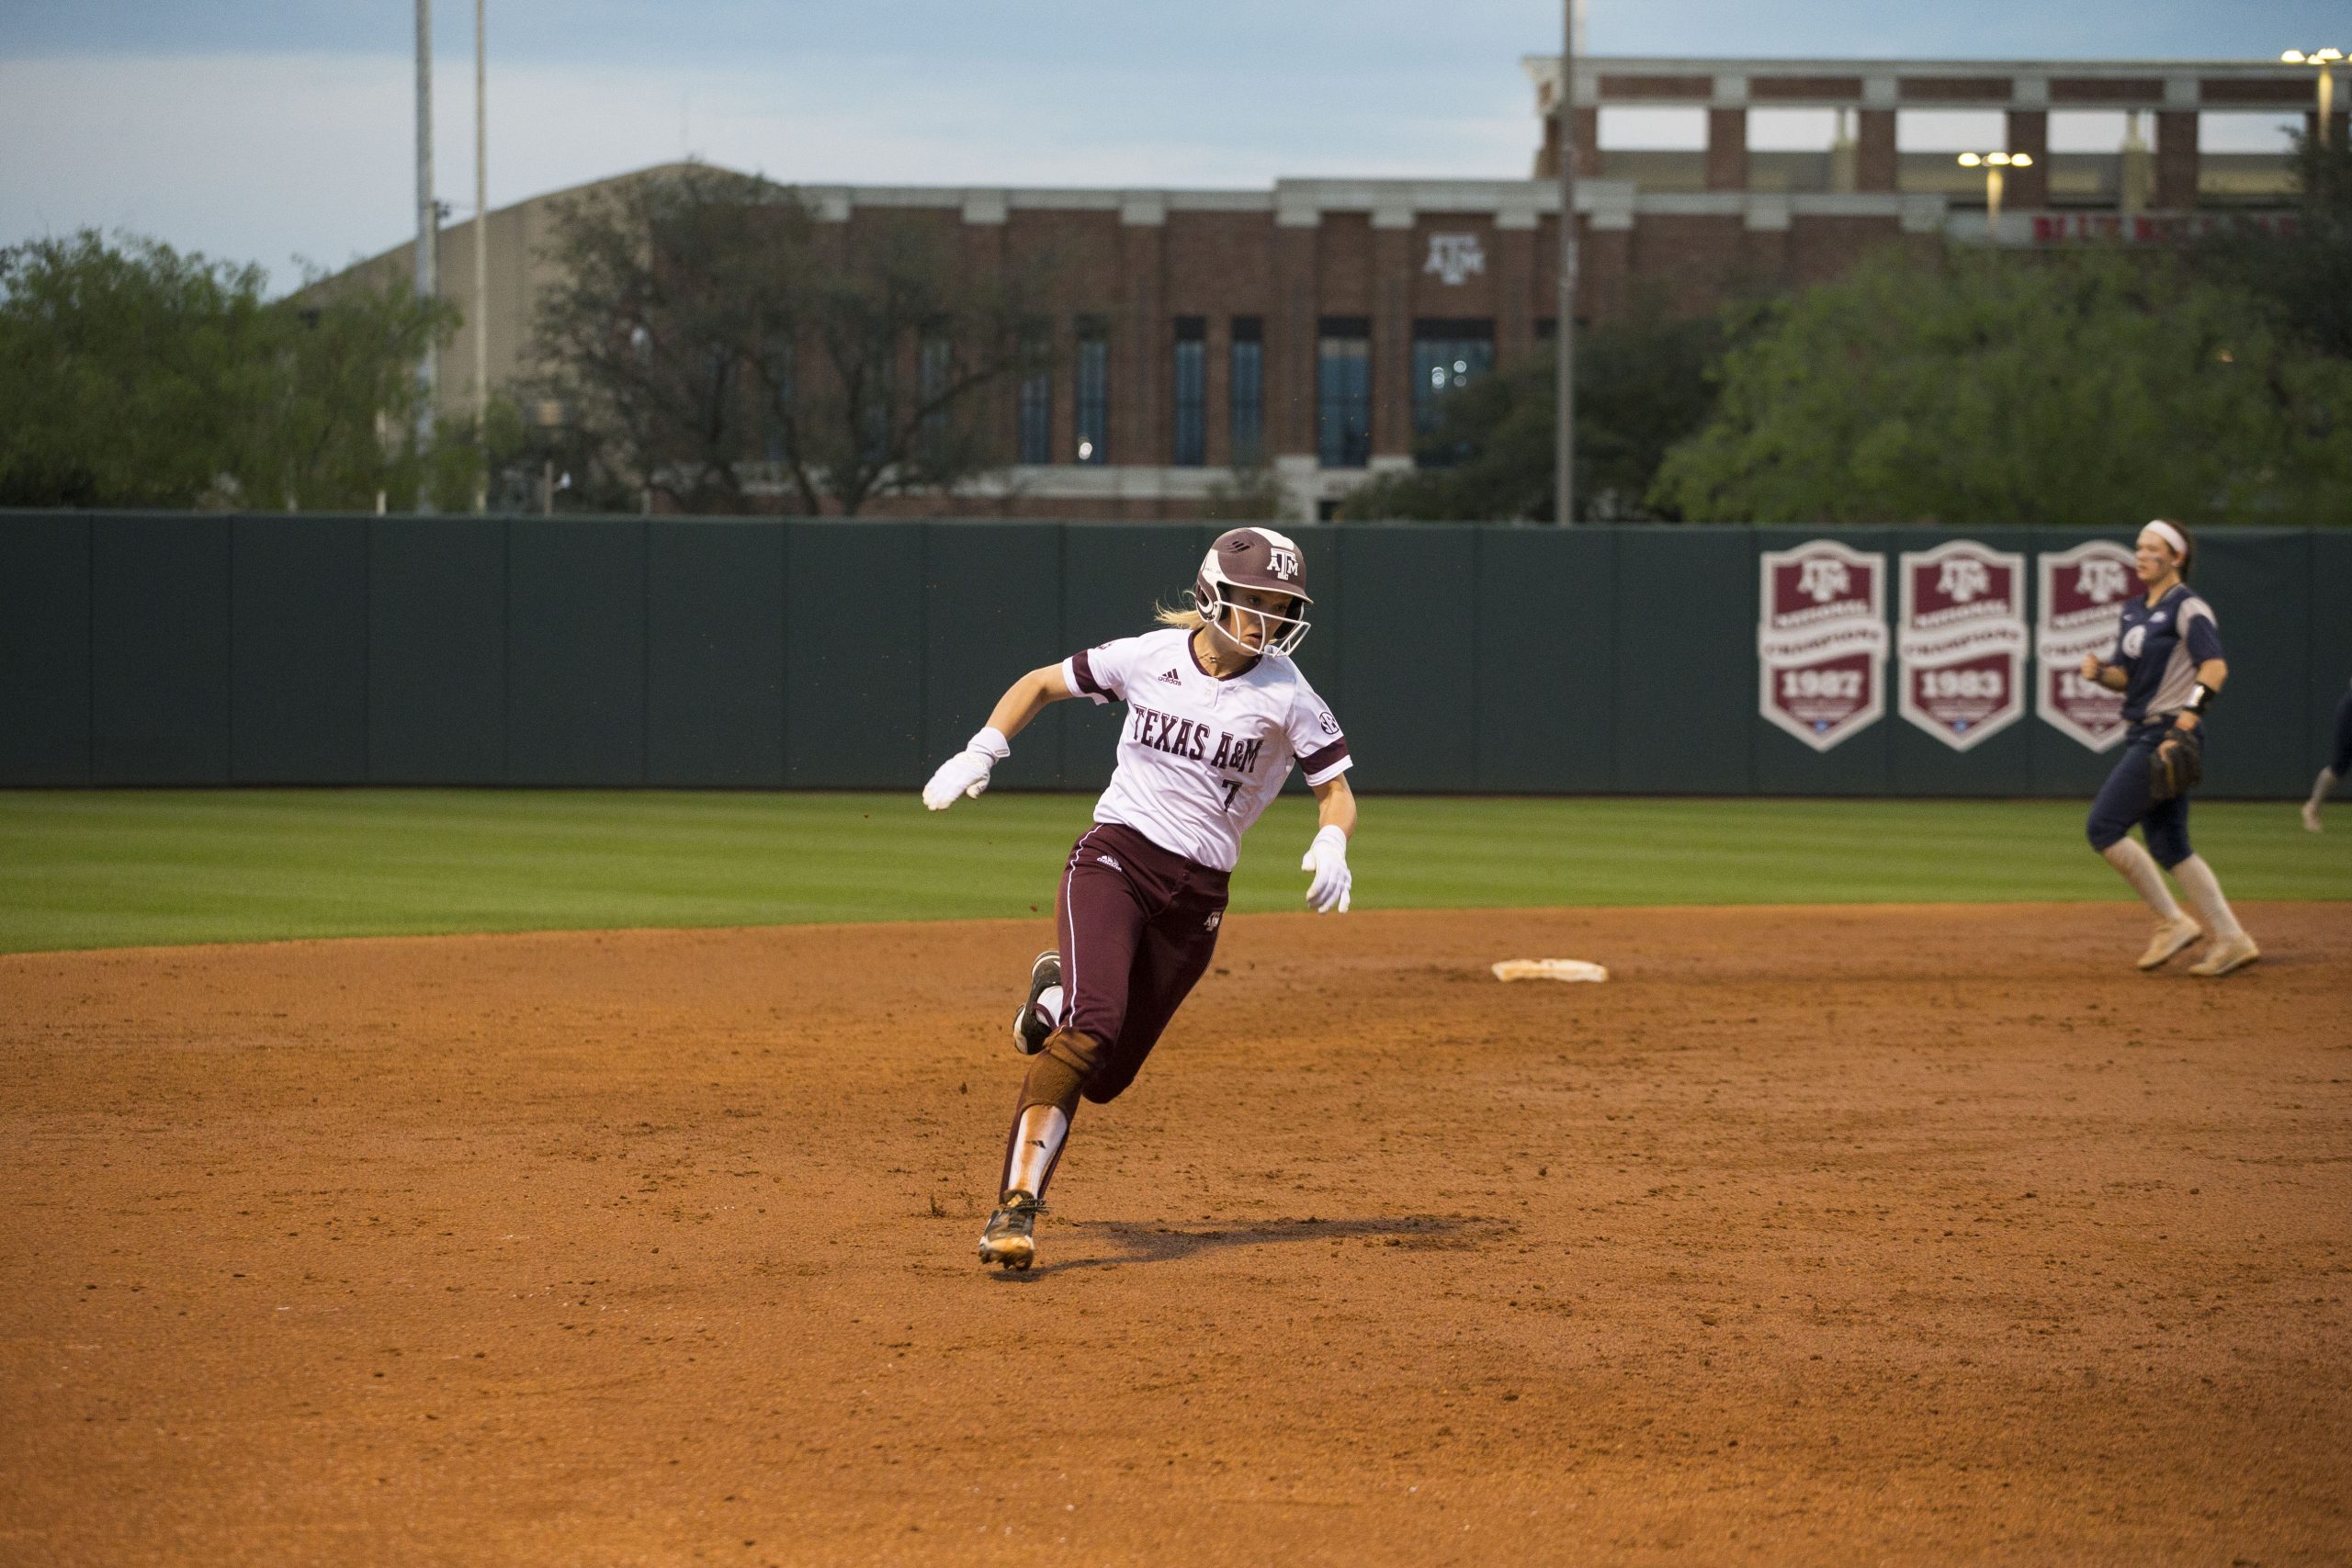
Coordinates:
<point>1313,322</point>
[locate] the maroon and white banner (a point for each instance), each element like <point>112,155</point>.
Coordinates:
<point>2083,591</point>
<point>1961,641</point>
<point>1821,641</point>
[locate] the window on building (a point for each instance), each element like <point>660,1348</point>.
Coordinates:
<point>1191,432</point>
<point>1036,443</point>
<point>782,365</point>
<point>878,414</point>
<point>1248,392</point>
<point>1447,355</point>
<point>1344,393</point>
<point>1094,390</point>
<point>935,369</point>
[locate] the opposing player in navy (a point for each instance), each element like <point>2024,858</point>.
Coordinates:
<point>1216,713</point>
<point>2166,660</point>
<point>2339,764</point>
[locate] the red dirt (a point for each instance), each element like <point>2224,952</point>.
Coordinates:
<point>1926,1234</point>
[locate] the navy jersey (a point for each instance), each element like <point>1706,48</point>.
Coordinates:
<point>2159,648</point>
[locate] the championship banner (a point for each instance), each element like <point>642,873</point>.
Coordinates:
<point>1961,639</point>
<point>2082,591</point>
<point>1821,641</point>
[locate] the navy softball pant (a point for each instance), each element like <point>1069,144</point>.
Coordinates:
<point>2124,800</point>
<point>1138,925</point>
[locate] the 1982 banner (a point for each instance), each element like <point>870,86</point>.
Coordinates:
<point>1962,641</point>
<point>2081,590</point>
<point>1821,640</point>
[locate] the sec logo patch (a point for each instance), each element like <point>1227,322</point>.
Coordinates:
<point>1330,724</point>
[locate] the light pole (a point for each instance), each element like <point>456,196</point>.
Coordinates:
<point>428,245</point>
<point>1994,166</point>
<point>2321,59</point>
<point>1564,336</point>
<point>481,249</point>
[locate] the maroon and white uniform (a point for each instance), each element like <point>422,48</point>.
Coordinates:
<point>1143,894</point>
<point>1144,891</point>
<point>1201,759</point>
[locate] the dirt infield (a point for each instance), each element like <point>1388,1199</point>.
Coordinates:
<point>1878,1234</point>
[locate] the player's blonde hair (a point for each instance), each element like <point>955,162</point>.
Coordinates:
<point>1183,615</point>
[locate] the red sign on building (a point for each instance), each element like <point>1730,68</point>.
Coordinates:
<point>2082,593</point>
<point>1962,643</point>
<point>1821,641</point>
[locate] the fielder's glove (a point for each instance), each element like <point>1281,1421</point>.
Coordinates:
<point>967,772</point>
<point>2178,764</point>
<point>1327,857</point>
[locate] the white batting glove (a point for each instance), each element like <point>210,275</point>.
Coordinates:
<point>1327,857</point>
<point>967,772</point>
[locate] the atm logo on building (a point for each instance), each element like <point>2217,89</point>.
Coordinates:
<point>1455,259</point>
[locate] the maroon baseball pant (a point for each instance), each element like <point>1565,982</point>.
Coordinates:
<point>1138,925</point>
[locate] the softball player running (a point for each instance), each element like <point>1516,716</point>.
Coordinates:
<point>2338,764</point>
<point>1216,712</point>
<point>2166,660</point>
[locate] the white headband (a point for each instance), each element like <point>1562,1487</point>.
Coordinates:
<point>2170,535</point>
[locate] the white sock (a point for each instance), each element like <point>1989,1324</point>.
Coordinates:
<point>2204,890</point>
<point>2138,867</point>
<point>1049,1006</point>
<point>2324,787</point>
<point>1042,1128</point>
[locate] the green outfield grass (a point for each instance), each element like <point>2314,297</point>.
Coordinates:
<point>109,868</point>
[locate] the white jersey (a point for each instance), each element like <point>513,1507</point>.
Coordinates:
<point>1201,757</point>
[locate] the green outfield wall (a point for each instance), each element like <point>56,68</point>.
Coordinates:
<point>151,649</point>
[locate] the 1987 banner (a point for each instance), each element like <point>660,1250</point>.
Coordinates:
<point>1821,640</point>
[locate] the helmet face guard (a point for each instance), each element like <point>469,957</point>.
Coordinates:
<point>1282,633</point>
<point>1261,561</point>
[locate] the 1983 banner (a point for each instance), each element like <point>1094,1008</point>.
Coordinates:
<point>1962,641</point>
<point>1821,640</point>
<point>2081,591</point>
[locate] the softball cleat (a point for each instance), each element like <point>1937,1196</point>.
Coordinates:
<point>2230,952</point>
<point>2171,937</point>
<point>1030,1026</point>
<point>1012,1236</point>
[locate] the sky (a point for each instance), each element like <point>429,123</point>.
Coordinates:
<point>282,131</point>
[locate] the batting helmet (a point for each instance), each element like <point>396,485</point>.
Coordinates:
<point>1263,560</point>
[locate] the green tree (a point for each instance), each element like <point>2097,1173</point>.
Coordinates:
<point>1640,387</point>
<point>132,375</point>
<point>1251,492</point>
<point>2301,267</point>
<point>707,330</point>
<point>1983,388</point>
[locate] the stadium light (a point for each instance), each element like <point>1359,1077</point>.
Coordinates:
<point>2320,59</point>
<point>1995,164</point>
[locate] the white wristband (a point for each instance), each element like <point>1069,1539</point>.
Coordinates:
<point>989,742</point>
